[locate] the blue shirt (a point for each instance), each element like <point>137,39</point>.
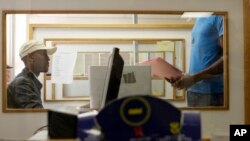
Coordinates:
<point>205,51</point>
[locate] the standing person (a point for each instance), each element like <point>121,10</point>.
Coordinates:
<point>204,83</point>
<point>25,90</point>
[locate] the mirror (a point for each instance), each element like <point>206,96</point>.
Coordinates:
<point>141,35</point>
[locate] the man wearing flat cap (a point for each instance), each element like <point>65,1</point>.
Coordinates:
<point>25,90</point>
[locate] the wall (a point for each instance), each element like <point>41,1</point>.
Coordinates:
<point>213,122</point>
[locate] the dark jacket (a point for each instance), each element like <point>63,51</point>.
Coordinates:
<point>24,91</point>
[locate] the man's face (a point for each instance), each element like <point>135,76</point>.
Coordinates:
<point>40,61</point>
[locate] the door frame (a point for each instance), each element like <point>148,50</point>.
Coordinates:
<point>246,19</point>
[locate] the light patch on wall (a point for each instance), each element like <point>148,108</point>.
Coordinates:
<point>196,14</point>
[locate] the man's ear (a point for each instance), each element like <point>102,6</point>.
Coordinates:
<point>30,57</point>
<point>29,61</point>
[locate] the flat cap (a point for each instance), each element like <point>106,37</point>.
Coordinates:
<point>32,46</point>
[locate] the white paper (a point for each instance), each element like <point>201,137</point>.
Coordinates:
<point>63,64</point>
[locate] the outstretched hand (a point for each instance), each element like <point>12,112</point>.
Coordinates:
<point>172,80</point>
<point>182,82</point>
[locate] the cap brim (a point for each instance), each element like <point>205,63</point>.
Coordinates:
<point>51,50</point>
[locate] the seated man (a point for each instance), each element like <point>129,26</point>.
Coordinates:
<point>25,90</point>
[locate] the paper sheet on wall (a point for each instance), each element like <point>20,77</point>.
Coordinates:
<point>165,46</point>
<point>63,64</point>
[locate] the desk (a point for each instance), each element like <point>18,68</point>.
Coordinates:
<point>43,136</point>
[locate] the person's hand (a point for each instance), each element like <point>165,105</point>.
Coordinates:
<point>172,80</point>
<point>184,82</point>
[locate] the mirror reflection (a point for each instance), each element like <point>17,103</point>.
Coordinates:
<point>195,45</point>
<point>95,52</point>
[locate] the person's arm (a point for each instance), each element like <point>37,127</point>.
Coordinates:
<point>214,69</point>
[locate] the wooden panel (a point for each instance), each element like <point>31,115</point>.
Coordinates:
<point>4,92</point>
<point>246,5</point>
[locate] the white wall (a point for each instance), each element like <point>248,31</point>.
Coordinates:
<point>213,122</point>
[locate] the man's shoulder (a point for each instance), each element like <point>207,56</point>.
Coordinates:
<point>21,79</point>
